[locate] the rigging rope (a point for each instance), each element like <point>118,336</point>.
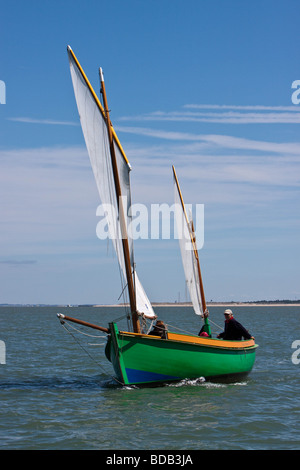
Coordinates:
<point>64,325</point>
<point>188,332</point>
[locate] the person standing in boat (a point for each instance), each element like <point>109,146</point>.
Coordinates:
<point>205,330</point>
<point>233,329</point>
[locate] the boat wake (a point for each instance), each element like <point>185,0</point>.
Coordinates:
<point>184,382</point>
<point>205,383</point>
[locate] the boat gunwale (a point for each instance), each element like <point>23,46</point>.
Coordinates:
<point>196,340</point>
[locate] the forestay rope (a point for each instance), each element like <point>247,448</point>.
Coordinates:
<point>64,325</point>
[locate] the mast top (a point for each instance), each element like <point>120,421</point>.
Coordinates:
<point>101,74</point>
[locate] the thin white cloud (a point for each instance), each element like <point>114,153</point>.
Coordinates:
<point>158,133</point>
<point>221,115</point>
<point>18,262</point>
<point>43,121</point>
<point>220,118</point>
<point>243,107</point>
<point>248,144</point>
<point>222,141</point>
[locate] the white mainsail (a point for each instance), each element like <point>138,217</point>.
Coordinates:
<point>188,249</point>
<point>93,123</point>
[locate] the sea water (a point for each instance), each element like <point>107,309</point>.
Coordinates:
<point>57,389</point>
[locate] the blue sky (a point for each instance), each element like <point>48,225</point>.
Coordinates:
<point>203,85</point>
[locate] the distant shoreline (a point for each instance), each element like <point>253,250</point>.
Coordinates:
<point>217,304</point>
<point>275,303</point>
<point>233,304</point>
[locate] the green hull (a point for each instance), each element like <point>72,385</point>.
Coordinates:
<point>142,359</point>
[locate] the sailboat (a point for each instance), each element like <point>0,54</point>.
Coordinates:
<point>136,356</point>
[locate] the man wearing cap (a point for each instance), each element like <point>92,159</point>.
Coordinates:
<point>233,329</point>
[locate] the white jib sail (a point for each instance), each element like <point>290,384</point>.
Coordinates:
<point>189,261</point>
<point>96,138</point>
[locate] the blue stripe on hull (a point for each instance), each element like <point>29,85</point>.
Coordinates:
<point>140,376</point>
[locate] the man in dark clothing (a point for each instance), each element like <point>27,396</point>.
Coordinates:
<point>159,329</point>
<point>233,329</point>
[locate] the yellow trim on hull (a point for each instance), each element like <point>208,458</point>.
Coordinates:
<point>219,343</point>
<point>204,341</point>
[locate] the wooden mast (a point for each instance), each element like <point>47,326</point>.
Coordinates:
<point>131,290</point>
<point>193,243</point>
